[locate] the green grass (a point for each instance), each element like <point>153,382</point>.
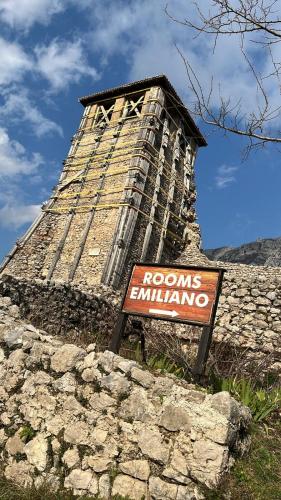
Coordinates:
<point>257,476</point>
<point>9,491</point>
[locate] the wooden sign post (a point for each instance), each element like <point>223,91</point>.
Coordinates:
<point>183,294</point>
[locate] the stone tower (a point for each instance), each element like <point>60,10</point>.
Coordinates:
<point>125,194</point>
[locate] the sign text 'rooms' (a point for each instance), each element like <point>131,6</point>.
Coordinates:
<point>181,294</point>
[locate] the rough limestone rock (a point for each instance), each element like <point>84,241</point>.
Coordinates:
<point>36,452</point>
<point>66,358</point>
<point>175,419</point>
<point>153,444</point>
<point>14,444</point>
<point>140,376</point>
<point>116,383</point>
<point>161,489</point>
<point>81,481</point>
<point>20,473</point>
<point>139,469</point>
<point>98,463</point>
<point>13,337</point>
<point>71,458</point>
<point>66,383</point>
<point>127,486</point>
<point>119,430</point>
<point>104,486</point>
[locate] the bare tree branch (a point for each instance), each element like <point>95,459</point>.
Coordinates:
<point>219,119</point>
<point>239,18</point>
<point>249,16</point>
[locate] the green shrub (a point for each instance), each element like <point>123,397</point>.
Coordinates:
<point>262,402</point>
<point>165,365</point>
<point>160,362</point>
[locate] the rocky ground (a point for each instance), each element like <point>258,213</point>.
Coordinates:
<point>97,423</point>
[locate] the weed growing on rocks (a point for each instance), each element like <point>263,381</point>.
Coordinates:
<point>113,474</point>
<point>27,433</point>
<point>122,397</point>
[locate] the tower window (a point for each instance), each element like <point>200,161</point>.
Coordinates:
<point>103,114</point>
<point>182,143</point>
<point>133,106</point>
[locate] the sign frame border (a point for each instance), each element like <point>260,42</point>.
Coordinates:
<point>220,271</point>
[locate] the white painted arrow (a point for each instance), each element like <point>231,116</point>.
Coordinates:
<point>163,313</point>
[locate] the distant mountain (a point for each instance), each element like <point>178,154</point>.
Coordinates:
<point>263,252</point>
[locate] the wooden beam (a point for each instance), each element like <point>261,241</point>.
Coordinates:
<point>60,246</point>
<point>170,197</point>
<point>97,197</point>
<point>129,216</point>
<point>149,228</point>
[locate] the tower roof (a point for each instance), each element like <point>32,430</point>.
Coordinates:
<point>161,81</point>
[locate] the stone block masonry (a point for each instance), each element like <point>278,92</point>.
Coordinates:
<point>249,312</point>
<point>97,423</point>
<point>62,309</point>
<point>126,192</point>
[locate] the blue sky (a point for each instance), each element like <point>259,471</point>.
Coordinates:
<point>53,51</point>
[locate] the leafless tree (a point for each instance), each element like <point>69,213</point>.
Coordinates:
<point>258,22</point>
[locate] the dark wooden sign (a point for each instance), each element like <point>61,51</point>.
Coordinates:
<point>184,294</point>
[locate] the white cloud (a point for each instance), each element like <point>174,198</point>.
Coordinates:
<point>111,37</point>
<point>63,62</point>
<point>14,216</point>
<point>146,37</point>
<point>18,108</point>
<point>14,164</point>
<point>14,159</point>
<point>14,62</point>
<point>225,176</point>
<point>24,13</point>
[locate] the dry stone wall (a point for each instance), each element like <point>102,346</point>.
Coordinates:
<point>249,311</point>
<point>62,309</point>
<point>97,423</point>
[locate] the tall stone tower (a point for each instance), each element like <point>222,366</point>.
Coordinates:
<point>125,194</point>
